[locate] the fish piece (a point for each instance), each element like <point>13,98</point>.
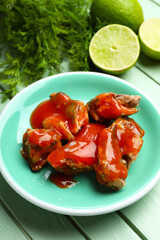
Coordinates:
<point>60,112</point>
<point>37,144</point>
<point>118,147</point>
<point>108,106</point>
<point>79,154</point>
<point>130,137</point>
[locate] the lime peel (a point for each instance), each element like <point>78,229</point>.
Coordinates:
<point>124,12</point>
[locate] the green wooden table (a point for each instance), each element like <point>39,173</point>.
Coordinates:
<point>20,219</point>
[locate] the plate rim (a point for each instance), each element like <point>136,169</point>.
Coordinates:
<point>68,210</point>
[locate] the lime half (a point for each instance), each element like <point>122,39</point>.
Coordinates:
<point>149,35</point>
<point>114,48</point>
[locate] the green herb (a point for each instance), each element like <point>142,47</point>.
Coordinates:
<point>37,35</point>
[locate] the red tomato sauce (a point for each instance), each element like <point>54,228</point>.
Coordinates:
<point>111,108</point>
<point>44,110</point>
<point>62,181</point>
<point>82,149</point>
<point>129,135</point>
<point>110,154</point>
<point>60,113</point>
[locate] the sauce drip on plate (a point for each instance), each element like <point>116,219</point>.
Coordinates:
<point>62,181</point>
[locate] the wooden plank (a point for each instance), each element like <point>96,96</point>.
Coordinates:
<point>108,226</point>
<point>8,229</point>
<point>145,214</point>
<point>150,66</point>
<point>38,223</point>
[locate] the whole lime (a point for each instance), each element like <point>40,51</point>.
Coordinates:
<point>125,12</point>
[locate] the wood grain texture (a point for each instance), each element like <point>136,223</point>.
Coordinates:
<point>8,229</point>
<point>40,224</point>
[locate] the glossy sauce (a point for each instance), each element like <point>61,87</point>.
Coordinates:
<point>42,137</point>
<point>83,149</point>
<point>44,110</point>
<point>109,155</point>
<point>62,181</point>
<point>111,108</point>
<point>37,144</point>
<point>60,113</point>
<point>123,137</point>
<point>129,135</point>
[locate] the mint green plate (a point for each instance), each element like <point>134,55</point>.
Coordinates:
<point>87,197</point>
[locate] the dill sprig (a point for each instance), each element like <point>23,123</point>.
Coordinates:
<point>36,36</point>
<point>79,32</point>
